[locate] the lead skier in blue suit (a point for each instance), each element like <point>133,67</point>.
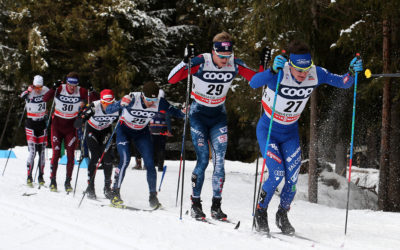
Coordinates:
<point>283,158</point>
<point>140,108</point>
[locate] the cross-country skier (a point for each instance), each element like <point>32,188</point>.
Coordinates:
<point>160,127</point>
<point>283,158</point>
<point>98,132</point>
<point>213,74</point>
<point>68,98</point>
<point>138,108</point>
<point>35,126</point>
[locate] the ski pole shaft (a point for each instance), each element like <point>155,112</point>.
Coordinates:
<point>108,145</point>
<point>162,178</point>
<point>14,138</point>
<point>82,156</point>
<point>267,143</point>
<point>188,88</point>
<point>351,147</point>
<point>368,74</point>
<point>267,58</point>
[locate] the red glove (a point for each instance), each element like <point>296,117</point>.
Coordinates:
<point>126,100</point>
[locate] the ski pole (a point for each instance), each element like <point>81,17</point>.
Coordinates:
<point>108,145</point>
<point>267,58</point>
<point>82,156</point>
<point>351,145</point>
<point>368,74</point>
<point>267,143</point>
<point>162,177</point>
<point>188,89</point>
<point>14,138</point>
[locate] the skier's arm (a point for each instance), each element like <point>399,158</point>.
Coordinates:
<point>127,101</point>
<point>340,81</point>
<point>263,78</point>
<point>180,71</point>
<point>51,93</point>
<point>166,107</point>
<point>84,115</point>
<point>243,70</point>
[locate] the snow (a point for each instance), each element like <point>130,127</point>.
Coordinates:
<point>47,220</point>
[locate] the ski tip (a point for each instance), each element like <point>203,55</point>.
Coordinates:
<point>237,225</point>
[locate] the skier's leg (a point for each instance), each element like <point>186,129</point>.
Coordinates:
<point>144,145</point>
<point>123,147</point>
<point>200,137</point>
<point>291,153</point>
<point>219,144</point>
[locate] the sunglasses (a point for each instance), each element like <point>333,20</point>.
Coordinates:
<point>37,87</point>
<point>300,69</point>
<point>151,99</point>
<point>222,56</point>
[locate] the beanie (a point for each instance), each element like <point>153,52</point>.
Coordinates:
<point>107,96</point>
<point>38,81</point>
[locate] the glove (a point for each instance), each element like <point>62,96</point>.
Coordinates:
<point>57,84</point>
<point>24,94</point>
<point>356,65</point>
<point>265,55</point>
<point>126,100</point>
<point>279,63</point>
<point>189,52</point>
<point>90,87</point>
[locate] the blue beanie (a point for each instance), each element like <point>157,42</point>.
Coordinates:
<point>302,61</point>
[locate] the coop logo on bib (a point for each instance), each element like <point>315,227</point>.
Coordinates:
<point>104,118</point>
<point>68,99</point>
<point>218,76</point>
<point>38,99</point>
<point>295,93</point>
<point>141,113</point>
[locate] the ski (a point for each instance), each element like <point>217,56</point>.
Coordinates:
<point>28,194</point>
<point>237,224</point>
<point>125,207</point>
<point>295,235</point>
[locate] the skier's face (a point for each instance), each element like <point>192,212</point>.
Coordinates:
<point>149,101</point>
<point>71,88</point>
<point>37,89</point>
<point>300,76</point>
<point>221,58</point>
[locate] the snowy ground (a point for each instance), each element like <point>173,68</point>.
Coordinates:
<point>47,220</point>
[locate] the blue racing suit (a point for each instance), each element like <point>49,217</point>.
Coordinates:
<point>134,126</point>
<point>283,157</point>
<point>208,121</point>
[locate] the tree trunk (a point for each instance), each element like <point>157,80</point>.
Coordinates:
<point>385,131</point>
<point>394,170</point>
<point>340,158</point>
<point>312,170</point>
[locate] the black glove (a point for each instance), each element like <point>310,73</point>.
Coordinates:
<point>265,56</point>
<point>57,84</point>
<point>189,52</point>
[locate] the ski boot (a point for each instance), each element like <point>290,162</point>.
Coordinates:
<point>216,212</point>
<point>53,185</point>
<point>261,220</point>
<point>91,194</point>
<point>116,200</point>
<point>153,200</point>
<point>197,210</point>
<point>108,192</point>
<point>29,181</point>
<point>41,180</point>
<point>282,221</point>
<point>67,185</point>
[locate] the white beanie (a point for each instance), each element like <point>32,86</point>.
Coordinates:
<point>38,80</point>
